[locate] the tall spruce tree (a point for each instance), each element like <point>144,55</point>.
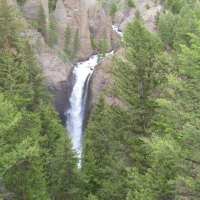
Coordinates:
<point>30,131</point>
<point>113,134</point>
<point>42,22</point>
<point>174,169</point>
<point>138,78</point>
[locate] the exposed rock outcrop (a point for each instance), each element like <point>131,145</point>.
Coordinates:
<point>72,13</point>
<point>54,69</point>
<point>31,8</point>
<point>89,19</point>
<point>56,72</point>
<point>101,78</point>
<point>147,9</point>
<point>100,24</point>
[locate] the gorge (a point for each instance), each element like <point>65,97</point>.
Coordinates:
<point>76,112</point>
<point>99,99</point>
<point>75,115</point>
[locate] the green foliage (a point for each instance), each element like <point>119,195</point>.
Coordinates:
<point>52,5</point>
<point>174,29</point>
<point>112,140</point>
<point>21,2</point>
<point>100,46</point>
<point>93,42</point>
<point>138,15</point>
<point>72,45</point>
<point>36,154</point>
<point>9,31</point>
<point>143,73</point>
<point>76,42</point>
<point>145,148</point>
<point>112,8</point>
<point>174,171</point>
<point>147,6</point>
<point>174,6</point>
<point>166,25</point>
<point>42,23</point>
<point>130,3</point>
<point>103,146</point>
<point>68,45</point>
<point>52,34</point>
<point>103,47</point>
<point>157,137</point>
<point>91,197</point>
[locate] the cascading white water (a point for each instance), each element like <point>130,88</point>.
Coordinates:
<point>117,29</point>
<point>75,114</point>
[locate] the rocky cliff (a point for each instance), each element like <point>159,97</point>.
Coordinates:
<point>101,78</point>
<point>87,18</point>
<point>91,21</point>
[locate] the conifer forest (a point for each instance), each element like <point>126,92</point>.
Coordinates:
<point>99,100</point>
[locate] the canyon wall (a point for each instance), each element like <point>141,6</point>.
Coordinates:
<point>88,18</point>
<point>101,79</point>
<point>91,21</point>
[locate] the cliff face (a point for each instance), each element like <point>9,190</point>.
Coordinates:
<point>31,7</point>
<point>147,9</point>
<point>88,18</point>
<point>101,78</point>
<point>73,14</point>
<point>100,24</point>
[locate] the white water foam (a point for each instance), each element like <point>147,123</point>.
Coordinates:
<point>117,29</point>
<point>75,114</point>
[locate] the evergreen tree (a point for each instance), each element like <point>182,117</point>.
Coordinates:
<point>112,8</point>
<point>10,26</point>
<point>102,150</point>
<point>138,78</point>
<point>52,34</point>
<point>173,171</point>
<point>52,5</point>
<point>42,23</point>
<point>21,2</point>
<point>31,134</point>
<point>103,47</point>
<point>76,42</point>
<point>68,43</point>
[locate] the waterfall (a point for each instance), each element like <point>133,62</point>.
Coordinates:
<point>117,29</point>
<point>75,114</point>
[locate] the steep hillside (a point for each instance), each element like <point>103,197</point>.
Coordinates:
<point>63,32</point>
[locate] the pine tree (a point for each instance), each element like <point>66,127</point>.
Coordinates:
<point>138,78</point>
<point>52,34</point>
<point>174,171</point>
<point>68,43</point>
<point>52,5</point>
<point>76,42</point>
<point>42,23</point>
<point>31,134</point>
<point>112,8</point>
<point>10,26</point>
<point>103,47</point>
<point>103,147</point>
